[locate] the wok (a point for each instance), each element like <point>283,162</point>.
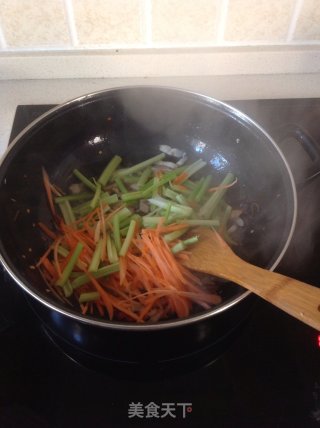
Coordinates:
<point>132,122</point>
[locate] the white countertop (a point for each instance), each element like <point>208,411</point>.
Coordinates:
<point>52,91</point>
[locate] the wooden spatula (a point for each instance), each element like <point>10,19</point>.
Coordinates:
<point>213,256</point>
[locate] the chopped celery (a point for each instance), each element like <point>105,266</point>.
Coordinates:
<point>116,231</point>
<point>109,170</point>
<point>182,245</point>
<point>67,212</point>
<point>94,265</point>
<point>203,189</point>
<point>70,265</point>
<point>73,198</point>
<point>144,177</point>
<point>95,200</point>
<point>111,250</point>
<point>139,166</point>
<point>84,180</point>
<point>120,185</point>
<point>174,235</point>
<point>211,204</point>
<point>128,238</point>
<point>89,297</point>
<point>100,273</point>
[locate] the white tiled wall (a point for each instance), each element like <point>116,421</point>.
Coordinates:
<point>85,24</point>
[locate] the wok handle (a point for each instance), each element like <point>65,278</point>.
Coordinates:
<point>310,146</point>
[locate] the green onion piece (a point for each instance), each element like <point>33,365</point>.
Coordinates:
<point>101,272</point>
<point>144,177</point>
<point>84,180</point>
<point>71,198</point>
<point>116,231</point>
<point>139,166</point>
<point>128,238</point>
<point>95,200</point>
<point>89,297</point>
<point>109,170</point>
<point>70,265</point>
<point>111,250</point>
<point>67,289</point>
<point>180,246</point>
<point>67,212</point>
<point>174,235</point>
<point>203,189</point>
<point>211,204</point>
<point>96,258</point>
<point>120,185</point>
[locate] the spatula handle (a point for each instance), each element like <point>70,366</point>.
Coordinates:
<point>297,298</point>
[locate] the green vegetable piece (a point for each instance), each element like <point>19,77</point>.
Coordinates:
<point>211,204</point>
<point>139,166</point>
<point>100,273</point>
<point>174,235</point>
<point>144,177</point>
<point>89,297</point>
<point>111,250</point>
<point>128,238</point>
<point>96,198</point>
<point>67,289</point>
<point>182,245</point>
<point>70,265</point>
<point>84,180</point>
<point>203,189</point>
<point>120,185</point>
<point>116,231</point>
<point>109,170</point>
<point>67,212</point>
<point>96,258</point>
<point>73,198</point>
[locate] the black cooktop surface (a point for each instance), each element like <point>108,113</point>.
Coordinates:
<point>268,375</point>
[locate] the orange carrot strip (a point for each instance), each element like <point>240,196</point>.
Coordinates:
<point>214,189</point>
<point>180,178</point>
<point>47,231</point>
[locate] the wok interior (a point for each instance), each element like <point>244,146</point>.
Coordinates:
<point>132,122</point>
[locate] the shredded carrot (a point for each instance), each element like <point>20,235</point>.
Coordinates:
<point>180,178</point>
<point>227,186</point>
<point>47,231</point>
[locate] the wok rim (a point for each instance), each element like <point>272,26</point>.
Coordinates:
<point>174,323</point>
